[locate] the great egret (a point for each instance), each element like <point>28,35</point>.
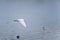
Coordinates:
<point>22,21</point>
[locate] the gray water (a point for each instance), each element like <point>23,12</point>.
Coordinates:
<point>42,18</point>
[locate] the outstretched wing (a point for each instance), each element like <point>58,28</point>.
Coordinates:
<point>22,21</point>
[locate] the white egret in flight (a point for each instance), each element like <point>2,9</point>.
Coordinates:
<point>22,21</point>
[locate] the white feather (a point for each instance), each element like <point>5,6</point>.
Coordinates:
<point>22,21</point>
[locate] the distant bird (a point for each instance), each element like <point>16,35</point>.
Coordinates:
<point>22,21</point>
<point>18,37</point>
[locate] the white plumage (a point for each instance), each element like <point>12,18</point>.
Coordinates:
<point>22,21</point>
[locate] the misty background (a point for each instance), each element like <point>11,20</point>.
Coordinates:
<point>42,18</point>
